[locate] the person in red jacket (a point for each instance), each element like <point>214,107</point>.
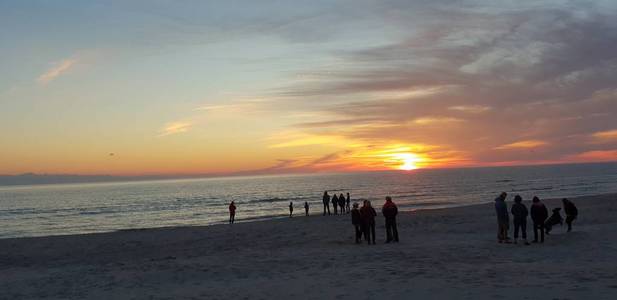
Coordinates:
<point>232,212</point>
<point>368,221</point>
<point>389,211</point>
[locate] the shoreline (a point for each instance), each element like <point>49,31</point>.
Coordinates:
<point>443,254</point>
<point>300,214</point>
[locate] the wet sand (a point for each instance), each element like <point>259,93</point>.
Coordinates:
<point>443,254</point>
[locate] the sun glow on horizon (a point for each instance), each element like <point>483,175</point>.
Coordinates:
<point>404,161</point>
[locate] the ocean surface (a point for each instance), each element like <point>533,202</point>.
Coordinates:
<point>97,207</point>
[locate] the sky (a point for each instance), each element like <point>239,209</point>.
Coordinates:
<point>249,87</point>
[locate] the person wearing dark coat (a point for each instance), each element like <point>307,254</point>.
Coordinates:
<point>389,211</point>
<point>519,214</point>
<point>347,202</point>
<point>503,221</point>
<point>232,212</point>
<point>291,209</point>
<point>539,213</point>
<point>341,203</point>
<point>356,220</point>
<point>554,219</point>
<point>571,212</point>
<point>306,208</point>
<point>368,219</point>
<point>335,204</point>
<point>326,203</point>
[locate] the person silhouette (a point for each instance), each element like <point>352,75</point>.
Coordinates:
<point>291,209</point>
<point>232,212</point>
<point>306,208</point>
<point>347,202</point>
<point>571,212</point>
<point>356,220</point>
<point>519,217</point>
<point>503,221</point>
<point>368,219</point>
<point>341,203</point>
<point>326,203</point>
<point>539,213</point>
<point>335,204</point>
<point>389,212</point>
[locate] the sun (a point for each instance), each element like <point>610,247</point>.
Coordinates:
<point>408,161</point>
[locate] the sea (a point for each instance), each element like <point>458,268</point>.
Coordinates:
<point>59,209</point>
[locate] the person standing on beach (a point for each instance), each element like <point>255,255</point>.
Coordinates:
<point>326,203</point>
<point>389,211</point>
<point>571,212</point>
<point>232,212</point>
<point>306,208</point>
<point>539,213</point>
<point>341,203</point>
<point>291,209</point>
<point>347,202</point>
<point>368,219</point>
<point>356,220</point>
<point>503,221</point>
<point>335,204</point>
<point>519,213</point>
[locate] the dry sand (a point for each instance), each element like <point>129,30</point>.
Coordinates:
<point>443,254</point>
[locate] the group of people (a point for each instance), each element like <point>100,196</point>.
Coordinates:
<point>339,203</point>
<point>363,220</point>
<point>542,223</point>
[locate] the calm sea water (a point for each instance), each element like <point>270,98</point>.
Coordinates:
<point>84,208</point>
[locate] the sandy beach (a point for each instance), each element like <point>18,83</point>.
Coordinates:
<point>443,254</point>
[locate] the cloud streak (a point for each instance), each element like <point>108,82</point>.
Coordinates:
<point>57,70</point>
<point>174,128</point>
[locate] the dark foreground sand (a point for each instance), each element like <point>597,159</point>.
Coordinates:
<point>443,254</point>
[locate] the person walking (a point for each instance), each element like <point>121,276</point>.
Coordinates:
<point>519,214</point>
<point>347,202</point>
<point>232,212</point>
<point>326,203</point>
<point>368,219</point>
<point>341,203</point>
<point>389,211</point>
<point>335,204</point>
<point>356,220</point>
<point>571,212</point>
<point>539,213</point>
<point>291,209</point>
<point>503,221</point>
<point>306,208</point>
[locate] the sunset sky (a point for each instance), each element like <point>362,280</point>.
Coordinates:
<point>199,87</point>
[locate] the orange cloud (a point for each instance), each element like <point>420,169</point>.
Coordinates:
<point>527,144</point>
<point>597,155</point>
<point>606,135</point>
<point>436,120</point>
<point>57,70</point>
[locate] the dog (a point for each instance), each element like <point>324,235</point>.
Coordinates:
<point>554,219</point>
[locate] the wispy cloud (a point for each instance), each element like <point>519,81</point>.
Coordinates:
<point>476,109</point>
<point>57,70</point>
<point>528,144</point>
<point>436,120</point>
<point>174,128</point>
<point>608,135</point>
